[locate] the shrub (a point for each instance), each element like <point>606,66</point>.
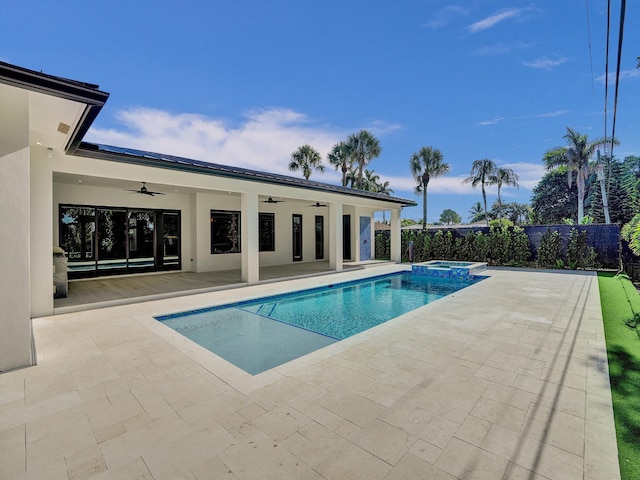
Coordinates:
<point>579,254</point>
<point>550,249</point>
<point>383,247</point>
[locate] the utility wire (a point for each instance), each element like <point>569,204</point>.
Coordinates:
<point>606,69</point>
<point>593,90</point>
<point>606,95</point>
<point>623,5</point>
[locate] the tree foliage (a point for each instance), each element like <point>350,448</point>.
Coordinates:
<point>424,164</point>
<point>364,147</point>
<point>576,157</point>
<point>481,174</point>
<point>449,216</point>
<point>306,158</point>
<point>340,157</point>
<point>552,200</point>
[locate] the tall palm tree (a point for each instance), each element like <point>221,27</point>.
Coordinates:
<point>384,189</point>
<point>481,172</point>
<point>306,158</point>
<point>576,157</point>
<point>476,213</point>
<point>370,181</point>
<point>424,164</point>
<point>351,178</point>
<point>503,176</point>
<point>340,157</point>
<point>364,147</point>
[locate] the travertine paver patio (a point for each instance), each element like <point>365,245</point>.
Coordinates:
<point>504,379</point>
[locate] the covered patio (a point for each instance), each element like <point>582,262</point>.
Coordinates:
<point>110,291</point>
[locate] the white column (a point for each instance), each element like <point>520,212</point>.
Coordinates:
<point>249,232</point>
<point>335,236</point>
<point>396,251</point>
<point>42,214</point>
<point>15,302</point>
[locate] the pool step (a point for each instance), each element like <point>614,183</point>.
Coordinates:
<point>266,309</point>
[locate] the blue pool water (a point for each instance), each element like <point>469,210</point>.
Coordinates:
<point>260,334</point>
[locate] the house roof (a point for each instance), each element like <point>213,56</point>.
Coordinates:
<point>90,95</point>
<point>159,160</point>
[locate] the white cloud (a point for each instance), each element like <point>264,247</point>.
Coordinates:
<point>624,75</point>
<point>263,140</point>
<point>496,120</point>
<point>445,16</point>
<point>495,19</point>
<point>529,173</point>
<point>501,49</point>
<point>546,63</point>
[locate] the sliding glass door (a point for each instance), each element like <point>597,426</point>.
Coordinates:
<point>112,241</point>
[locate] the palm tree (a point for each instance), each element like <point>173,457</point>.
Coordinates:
<point>364,147</point>
<point>370,181</point>
<point>384,189</point>
<point>340,157</point>
<point>503,176</point>
<point>351,178</point>
<point>576,157</point>
<point>481,172</point>
<point>476,213</point>
<point>424,164</point>
<point>306,158</point>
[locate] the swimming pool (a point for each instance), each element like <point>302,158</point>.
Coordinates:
<point>260,334</point>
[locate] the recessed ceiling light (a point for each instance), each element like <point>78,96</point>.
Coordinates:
<point>39,143</point>
<point>79,181</point>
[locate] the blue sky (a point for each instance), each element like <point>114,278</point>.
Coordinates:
<point>247,82</point>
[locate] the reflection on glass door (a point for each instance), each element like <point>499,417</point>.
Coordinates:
<point>112,239</point>
<point>171,239</point>
<point>297,237</point>
<point>141,239</point>
<point>77,234</point>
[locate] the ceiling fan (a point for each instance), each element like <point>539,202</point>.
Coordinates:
<point>145,191</point>
<point>318,204</point>
<point>271,200</point>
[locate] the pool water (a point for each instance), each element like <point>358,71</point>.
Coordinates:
<point>260,334</point>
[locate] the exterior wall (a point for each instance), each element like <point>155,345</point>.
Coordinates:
<point>41,222</point>
<point>15,306</point>
<point>15,315</point>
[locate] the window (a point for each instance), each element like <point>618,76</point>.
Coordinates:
<point>319,237</point>
<point>266,232</point>
<point>225,231</point>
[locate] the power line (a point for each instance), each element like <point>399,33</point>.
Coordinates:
<point>606,69</point>
<point>593,90</point>
<point>623,5</point>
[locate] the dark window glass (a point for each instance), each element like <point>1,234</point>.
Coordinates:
<point>319,237</point>
<point>77,233</point>
<point>266,232</point>
<point>225,231</point>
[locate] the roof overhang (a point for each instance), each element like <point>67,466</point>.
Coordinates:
<point>60,110</point>
<point>158,160</point>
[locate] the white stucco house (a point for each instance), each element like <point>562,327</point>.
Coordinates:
<point>90,200</point>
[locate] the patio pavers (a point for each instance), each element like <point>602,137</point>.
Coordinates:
<point>504,379</point>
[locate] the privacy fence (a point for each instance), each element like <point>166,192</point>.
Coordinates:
<point>543,246</point>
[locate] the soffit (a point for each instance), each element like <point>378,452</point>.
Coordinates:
<point>53,120</point>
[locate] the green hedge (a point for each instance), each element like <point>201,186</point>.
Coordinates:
<point>500,246</point>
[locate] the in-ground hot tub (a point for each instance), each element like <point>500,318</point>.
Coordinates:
<point>445,269</point>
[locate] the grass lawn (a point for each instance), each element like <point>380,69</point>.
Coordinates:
<point>620,300</point>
